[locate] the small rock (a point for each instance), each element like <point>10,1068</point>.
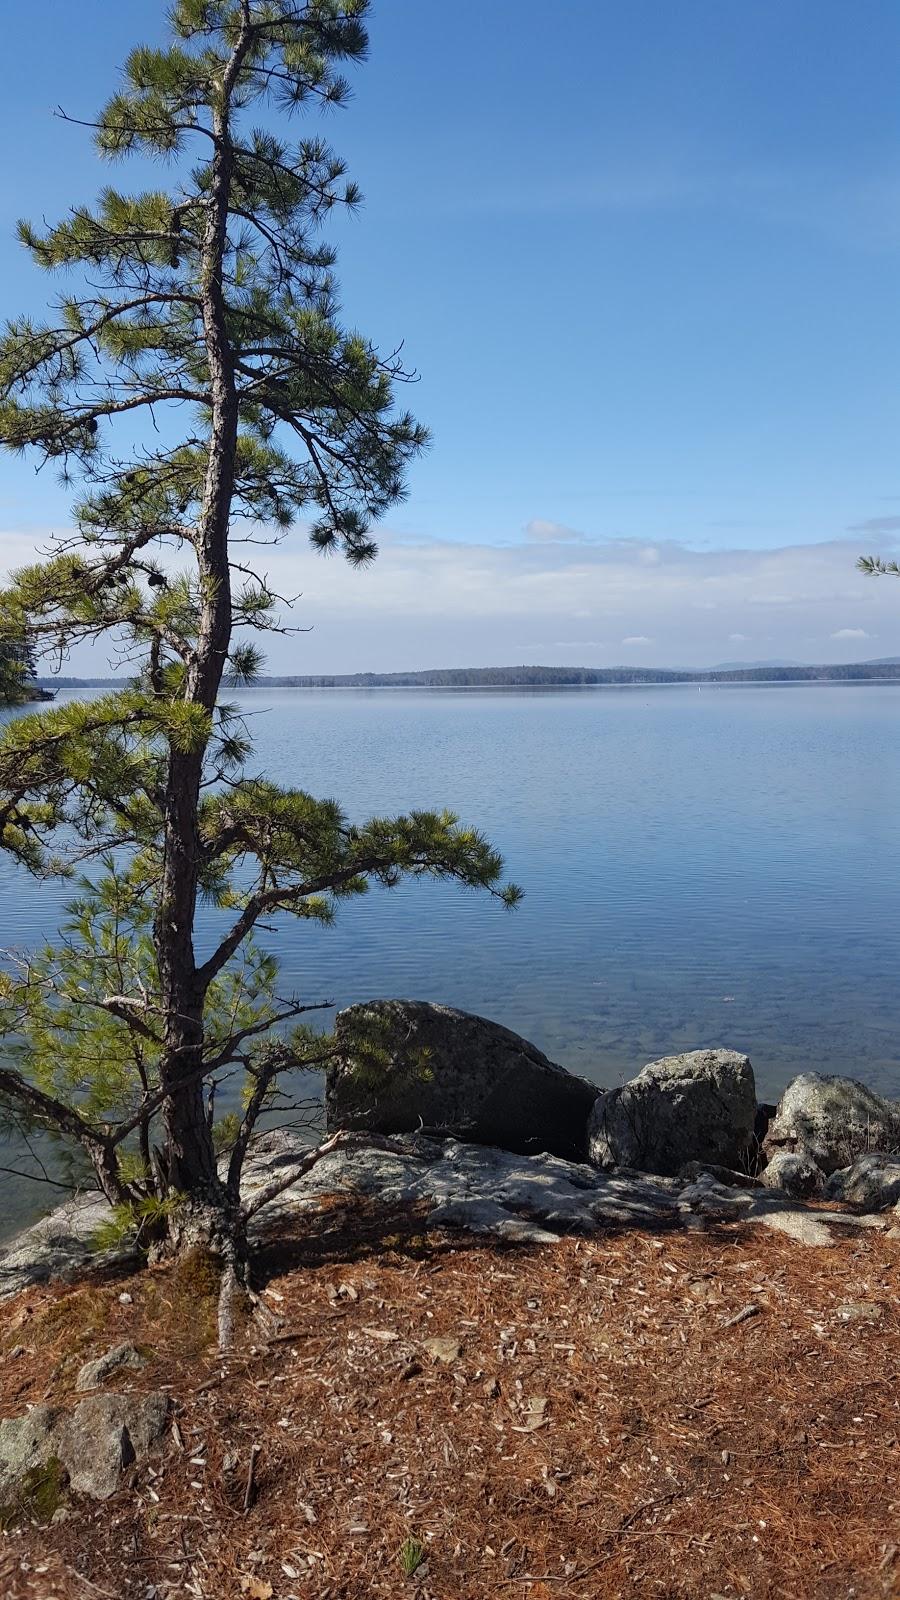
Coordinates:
<point>95,1373</point>
<point>107,1433</point>
<point>795,1172</point>
<point>708,1198</point>
<point>446,1350</point>
<point>861,1311</point>
<point>692,1170</point>
<point>125,1299</point>
<point>92,1444</point>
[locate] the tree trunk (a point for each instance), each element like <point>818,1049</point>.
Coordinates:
<point>189,1157</point>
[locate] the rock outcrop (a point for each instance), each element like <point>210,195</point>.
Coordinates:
<point>697,1107</point>
<point>477,1188</point>
<point>407,1064</point>
<point>831,1120</point>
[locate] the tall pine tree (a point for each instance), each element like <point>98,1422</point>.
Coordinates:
<point>209,309</point>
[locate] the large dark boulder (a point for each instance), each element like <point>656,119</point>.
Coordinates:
<point>695,1107</point>
<point>406,1064</point>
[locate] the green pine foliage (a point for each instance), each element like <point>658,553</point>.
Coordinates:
<point>205,310</point>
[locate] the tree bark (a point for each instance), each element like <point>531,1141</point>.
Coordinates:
<point>188,1153</point>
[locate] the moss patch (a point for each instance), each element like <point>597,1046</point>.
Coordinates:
<point>40,1493</point>
<point>184,1300</point>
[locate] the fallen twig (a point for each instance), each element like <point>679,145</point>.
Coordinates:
<point>742,1316</point>
<point>251,1476</point>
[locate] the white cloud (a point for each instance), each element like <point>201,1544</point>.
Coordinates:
<point>876,525</point>
<point>433,603</point>
<point>540,531</point>
<point>858,208</point>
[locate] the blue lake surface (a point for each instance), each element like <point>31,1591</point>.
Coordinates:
<point>712,867</point>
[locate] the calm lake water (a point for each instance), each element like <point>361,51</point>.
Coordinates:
<point>701,868</point>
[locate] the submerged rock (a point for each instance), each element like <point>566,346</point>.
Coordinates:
<point>832,1120</point>
<point>407,1064</point>
<point>696,1107</point>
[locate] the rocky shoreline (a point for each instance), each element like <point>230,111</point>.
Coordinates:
<point>476,1125</point>
<point>472,1139</point>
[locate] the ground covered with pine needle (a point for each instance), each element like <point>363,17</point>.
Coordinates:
<point>697,1416</point>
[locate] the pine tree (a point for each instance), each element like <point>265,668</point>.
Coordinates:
<point>209,309</point>
<point>17,670</point>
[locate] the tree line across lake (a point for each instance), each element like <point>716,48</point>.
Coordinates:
<point>559,677</point>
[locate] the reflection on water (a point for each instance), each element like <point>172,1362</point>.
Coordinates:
<point>701,868</point>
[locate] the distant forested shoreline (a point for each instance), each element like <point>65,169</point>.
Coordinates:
<point>552,677</point>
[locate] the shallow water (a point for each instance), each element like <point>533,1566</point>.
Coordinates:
<point>701,868</point>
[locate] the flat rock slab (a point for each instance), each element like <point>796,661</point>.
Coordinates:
<point>61,1244</point>
<point>523,1199</point>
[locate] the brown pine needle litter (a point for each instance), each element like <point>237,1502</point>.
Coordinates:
<point>695,1416</point>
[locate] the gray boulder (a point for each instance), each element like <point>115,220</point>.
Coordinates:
<point>89,1448</point>
<point>28,1445</point>
<point>406,1064</point>
<point>794,1172</point>
<point>107,1433</point>
<point>700,1106</point>
<point>872,1182</point>
<point>833,1120</point>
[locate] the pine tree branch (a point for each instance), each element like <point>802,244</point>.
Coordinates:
<point>52,1112</point>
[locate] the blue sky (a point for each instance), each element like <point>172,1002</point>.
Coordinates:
<point>645,259</point>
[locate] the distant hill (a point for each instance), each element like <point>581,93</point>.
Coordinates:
<point>743,666</point>
<point>559,677</point>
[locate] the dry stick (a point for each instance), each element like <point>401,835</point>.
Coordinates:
<point>290,1336</point>
<point>251,1476</point>
<point>741,1316</point>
